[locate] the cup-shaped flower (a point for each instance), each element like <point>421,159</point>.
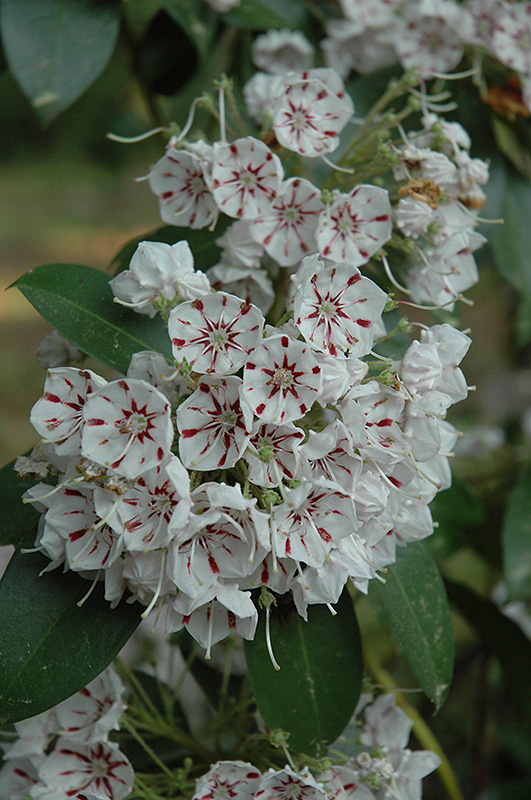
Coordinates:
<point>147,515</point>
<point>287,228</point>
<point>337,309</point>
<point>215,333</point>
<point>246,177</point>
<point>281,381</point>
<point>99,768</point>
<point>272,453</point>
<point>159,275</point>
<point>235,779</point>
<point>127,427</point>
<point>285,784</point>
<point>356,225</point>
<point>310,519</point>
<point>58,415</point>
<point>308,117</point>
<point>90,714</point>
<point>71,516</point>
<point>210,422</point>
<point>179,182</point>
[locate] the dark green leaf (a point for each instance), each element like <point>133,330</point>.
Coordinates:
<point>202,244</point>
<point>260,15</point>
<point>16,518</point>
<point>516,540</point>
<point>57,48</point>
<point>314,693</point>
<point>78,302</point>
<point>415,600</point>
<point>196,19</point>
<point>49,647</point>
<point>509,790</point>
<point>511,242</point>
<point>501,637</point>
<point>165,58</point>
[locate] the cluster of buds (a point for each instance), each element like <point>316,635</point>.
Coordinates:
<point>288,457</point>
<point>65,753</point>
<point>383,769</point>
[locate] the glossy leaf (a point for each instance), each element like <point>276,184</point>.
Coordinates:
<point>501,637</point>
<point>516,540</point>
<point>16,517</point>
<point>416,603</point>
<point>202,244</point>
<point>260,15</point>
<point>78,302</point>
<point>314,694</point>
<point>49,647</point>
<point>57,48</point>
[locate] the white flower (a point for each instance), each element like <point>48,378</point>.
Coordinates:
<point>281,381</point>
<point>246,177</point>
<point>58,415</point>
<point>179,181</point>
<point>287,228</point>
<point>279,51</point>
<point>159,275</point>
<point>337,308</point>
<point>355,226</point>
<point>98,768</point>
<point>127,427</point>
<point>308,115</point>
<point>211,426</point>
<point>216,333</point>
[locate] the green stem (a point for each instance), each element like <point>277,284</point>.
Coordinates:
<point>132,730</point>
<point>422,732</point>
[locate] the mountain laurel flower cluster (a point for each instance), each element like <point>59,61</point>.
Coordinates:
<point>289,453</point>
<point>65,752</point>
<point>384,768</point>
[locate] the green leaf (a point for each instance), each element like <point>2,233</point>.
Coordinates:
<point>78,302</point>
<point>416,603</point>
<point>260,15</point>
<point>202,244</point>
<point>16,518</point>
<point>195,19</point>
<point>57,48</point>
<point>511,242</point>
<point>516,540</point>
<point>501,637</point>
<point>314,694</point>
<point>49,647</point>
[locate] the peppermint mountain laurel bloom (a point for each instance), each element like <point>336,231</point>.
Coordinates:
<point>295,447</point>
<point>294,433</point>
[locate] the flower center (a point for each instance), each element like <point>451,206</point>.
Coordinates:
<point>282,377</point>
<point>134,425</point>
